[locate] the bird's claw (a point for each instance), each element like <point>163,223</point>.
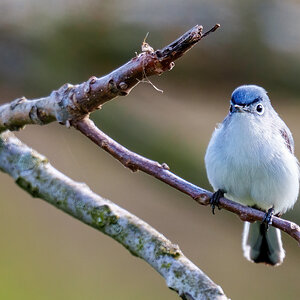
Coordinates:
<point>268,218</point>
<point>214,200</point>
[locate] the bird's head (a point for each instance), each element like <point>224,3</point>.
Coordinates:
<point>249,99</point>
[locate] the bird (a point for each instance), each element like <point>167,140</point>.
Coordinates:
<point>250,160</point>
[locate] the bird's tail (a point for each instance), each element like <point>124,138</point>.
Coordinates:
<point>261,245</point>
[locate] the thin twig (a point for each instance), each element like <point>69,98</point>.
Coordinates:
<point>137,162</point>
<point>211,30</point>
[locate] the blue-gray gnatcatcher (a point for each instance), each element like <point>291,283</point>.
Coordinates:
<point>250,158</point>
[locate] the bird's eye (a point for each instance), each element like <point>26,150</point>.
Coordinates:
<point>260,109</point>
<point>231,108</point>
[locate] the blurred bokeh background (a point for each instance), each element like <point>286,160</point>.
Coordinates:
<point>46,254</point>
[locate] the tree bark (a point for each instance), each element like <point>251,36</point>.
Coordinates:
<point>33,173</point>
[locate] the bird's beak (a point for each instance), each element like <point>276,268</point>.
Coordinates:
<point>239,108</point>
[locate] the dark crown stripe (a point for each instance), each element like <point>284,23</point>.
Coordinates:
<point>243,103</point>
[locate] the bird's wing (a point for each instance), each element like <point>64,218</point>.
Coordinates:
<point>287,136</point>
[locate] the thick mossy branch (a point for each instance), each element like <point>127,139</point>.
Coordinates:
<point>34,174</point>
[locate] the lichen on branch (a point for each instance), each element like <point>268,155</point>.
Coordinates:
<point>33,173</point>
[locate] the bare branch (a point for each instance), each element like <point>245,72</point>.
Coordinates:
<point>34,173</point>
<point>136,162</point>
<point>72,102</point>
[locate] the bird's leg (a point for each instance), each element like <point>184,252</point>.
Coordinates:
<point>214,200</point>
<point>267,220</point>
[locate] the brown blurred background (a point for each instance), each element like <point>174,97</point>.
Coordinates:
<point>46,254</point>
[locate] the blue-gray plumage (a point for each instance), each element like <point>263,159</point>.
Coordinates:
<point>251,159</point>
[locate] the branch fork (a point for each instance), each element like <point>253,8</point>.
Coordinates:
<point>71,105</point>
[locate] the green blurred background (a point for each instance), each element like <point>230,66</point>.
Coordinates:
<point>46,254</point>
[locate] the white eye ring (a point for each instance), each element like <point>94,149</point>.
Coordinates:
<point>260,109</point>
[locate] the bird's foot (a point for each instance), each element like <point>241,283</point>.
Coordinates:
<point>267,220</point>
<point>214,200</point>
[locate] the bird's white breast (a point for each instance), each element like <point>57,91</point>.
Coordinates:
<point>251,163</point>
